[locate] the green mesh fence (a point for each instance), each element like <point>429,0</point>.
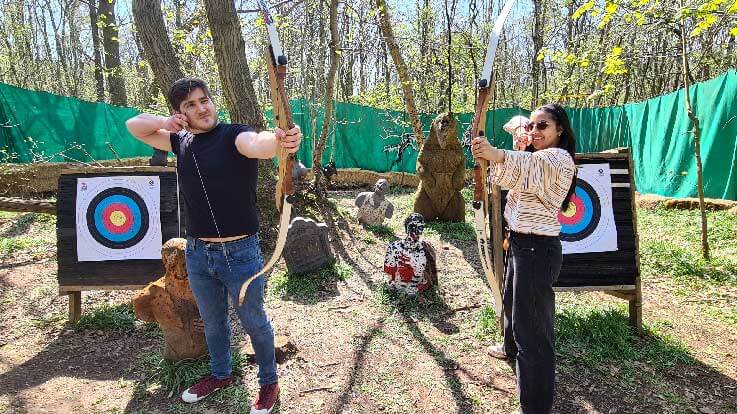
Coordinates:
<point>42,126</point>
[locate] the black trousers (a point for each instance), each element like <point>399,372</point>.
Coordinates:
<point>533,265</point>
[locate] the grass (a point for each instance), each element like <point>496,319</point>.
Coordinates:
<point>601,337</point>
<point>29,232</point>
<point>306,287</point>
<point>670,245</point>
<point>425,303</point>
<point>456,231</point>
<point>118,318</point>
<point>10,246</point>
<point>486,326</point>
<point>175,376</point>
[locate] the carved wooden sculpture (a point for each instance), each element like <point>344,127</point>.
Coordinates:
<point>441,167</point>
<point>169,301</point>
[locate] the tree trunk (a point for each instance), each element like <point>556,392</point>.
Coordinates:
<point>235,77</point>
<point>537,45</point>
<point>111,45</point>
<point>157,48</point>
<point>696,140</point>
<point>96,53</point>
<point>409,99</point>
<point>329,88</point>
<point>230,55</point>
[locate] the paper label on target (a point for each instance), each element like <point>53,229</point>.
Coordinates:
<point>588,224</point>
<point>117,218</point>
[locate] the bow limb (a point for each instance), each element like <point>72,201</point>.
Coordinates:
<point>492,266</point>
<point>277,69</point>
<point>485,201</point>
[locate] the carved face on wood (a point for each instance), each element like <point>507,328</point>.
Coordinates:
<point>381,187</point>
<point>172,254</point>
<point>444,129</point>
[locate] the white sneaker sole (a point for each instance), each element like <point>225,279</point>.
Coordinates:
<point>264,411</point>
<point>193,398</point>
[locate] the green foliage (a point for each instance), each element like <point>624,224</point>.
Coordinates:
<point>687,266</point>
<point>119,318</point>
<point>10,246</point>
<point>383,232</point>
<point>486,326</point>
<point>613,64</point>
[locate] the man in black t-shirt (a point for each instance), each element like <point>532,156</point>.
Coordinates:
<point>217,165</point>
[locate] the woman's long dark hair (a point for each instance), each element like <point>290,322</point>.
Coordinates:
<point>567,141</point>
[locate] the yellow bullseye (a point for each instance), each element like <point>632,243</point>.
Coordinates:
<point>118,218</point>
<point>571,211</point>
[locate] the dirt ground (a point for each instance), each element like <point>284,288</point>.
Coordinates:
<point>357,351</point>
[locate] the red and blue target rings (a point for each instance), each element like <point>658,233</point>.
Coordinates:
<point>117,218</point>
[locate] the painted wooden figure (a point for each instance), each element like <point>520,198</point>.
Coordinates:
<point>410,262</point>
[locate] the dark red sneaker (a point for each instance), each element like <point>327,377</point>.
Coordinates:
<point>266,399</point>
<point>205,387</point>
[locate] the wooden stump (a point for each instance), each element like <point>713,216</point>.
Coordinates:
<point>169,301</point>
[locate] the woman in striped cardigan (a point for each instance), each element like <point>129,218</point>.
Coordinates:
<point>540,181</point>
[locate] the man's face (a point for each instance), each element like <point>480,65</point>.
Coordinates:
<point>200,111</point>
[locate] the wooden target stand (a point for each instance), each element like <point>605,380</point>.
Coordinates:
<point>616,273</point>
<point>75,276</point>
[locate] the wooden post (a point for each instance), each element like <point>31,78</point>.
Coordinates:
<point>636,303</point>
<point>75,306</point>
<point>636,310</point>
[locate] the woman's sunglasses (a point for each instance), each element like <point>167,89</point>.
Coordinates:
<point>540,126</point>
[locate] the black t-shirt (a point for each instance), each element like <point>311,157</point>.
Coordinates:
<point>211,160</point>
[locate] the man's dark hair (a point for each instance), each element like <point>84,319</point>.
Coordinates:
<point>180,89</point>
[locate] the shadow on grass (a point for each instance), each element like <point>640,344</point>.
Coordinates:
<point>23,223</point>
<point>604,366</point>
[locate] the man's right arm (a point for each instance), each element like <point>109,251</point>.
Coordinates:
<point>155,130</point>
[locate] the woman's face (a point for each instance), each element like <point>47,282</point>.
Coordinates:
<point>544,131</point>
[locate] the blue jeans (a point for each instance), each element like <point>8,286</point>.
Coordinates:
<point>216,271</point>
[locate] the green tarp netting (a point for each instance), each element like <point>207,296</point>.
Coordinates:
<point>41,126</point>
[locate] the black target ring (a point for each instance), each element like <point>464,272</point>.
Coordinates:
<point>117,218</point>
<point>588,213</point>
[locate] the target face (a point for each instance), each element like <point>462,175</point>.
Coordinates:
<point>117,218</point>
<point>582,217</point>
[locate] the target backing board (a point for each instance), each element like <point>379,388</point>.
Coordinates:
<point>587,226</point>
<point>118,218</point>
<point>111,223</point>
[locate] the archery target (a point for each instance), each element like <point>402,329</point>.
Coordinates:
<point>587,225</point>
<point>118,218</point>
<point>583,214</point>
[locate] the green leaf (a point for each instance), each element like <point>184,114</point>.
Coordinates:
<point>583,9</point>
<point>613,64</point>
<point>732,9</point>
